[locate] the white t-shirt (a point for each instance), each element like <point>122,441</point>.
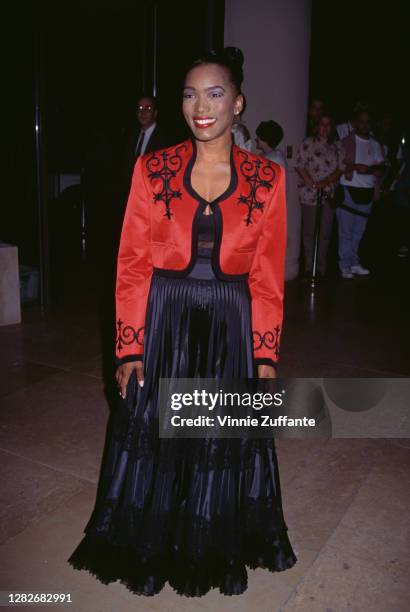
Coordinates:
<point>370,153</point>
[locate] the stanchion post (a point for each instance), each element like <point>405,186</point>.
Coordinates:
<point>318,218</point>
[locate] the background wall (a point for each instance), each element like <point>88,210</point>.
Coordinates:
<point>361,52</point>
<point>275,38</point>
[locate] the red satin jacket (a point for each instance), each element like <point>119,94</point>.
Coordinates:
<point>250,240</point>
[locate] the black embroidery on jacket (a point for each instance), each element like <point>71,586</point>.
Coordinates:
<point>126,335</point>
<point>269,339</point>
<point>258,175</point>
<point>165,165</point>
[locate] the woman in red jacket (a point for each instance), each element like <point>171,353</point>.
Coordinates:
<point>199,294</point>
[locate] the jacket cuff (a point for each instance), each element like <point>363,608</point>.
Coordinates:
<point>266,343</point>
<point>266,361</point>
<point>127,335</point>
<point>128,358</point>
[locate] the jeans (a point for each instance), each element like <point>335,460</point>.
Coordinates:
<point>351,229</point>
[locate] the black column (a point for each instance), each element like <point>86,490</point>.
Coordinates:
<point>215,19</point>
<point>184,32</point>
<point>40,159</point>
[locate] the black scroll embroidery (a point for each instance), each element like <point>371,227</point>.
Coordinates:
<point>165,166</point>
<point>258,175</point>
<point>269,339</point>
<point>126,335</point>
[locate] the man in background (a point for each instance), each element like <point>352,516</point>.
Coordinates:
<point>348,127</point>
<point>364,161</point>
<point>147,136</point>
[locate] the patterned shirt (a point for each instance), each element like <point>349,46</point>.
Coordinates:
<point>320,159</point>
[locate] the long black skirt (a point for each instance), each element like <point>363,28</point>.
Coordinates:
<point>190,512</point>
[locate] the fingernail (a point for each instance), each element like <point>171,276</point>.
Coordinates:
<point>141,383</point>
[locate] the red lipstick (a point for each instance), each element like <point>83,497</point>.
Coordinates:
<point>203,122</point>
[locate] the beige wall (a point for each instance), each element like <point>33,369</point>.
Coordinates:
<point>10,310</point>
<point>274,36</point>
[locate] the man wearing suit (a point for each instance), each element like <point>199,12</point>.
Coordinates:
<point>148,136</point>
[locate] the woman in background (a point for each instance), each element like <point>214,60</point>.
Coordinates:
<point>269,135</point>
<point>315,113</point>
<point>319,163</point>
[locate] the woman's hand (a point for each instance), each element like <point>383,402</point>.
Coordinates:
<point>124,372</point>
<point>322,184</point>
<point>266,371</point>
<point>305,176</point>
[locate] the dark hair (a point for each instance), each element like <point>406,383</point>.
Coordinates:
<point>151,97</point>
<point>332,133</point>
<point>271,132</point>
<point>317,99</point>
<point>361,107</point>
<point>230,58</point>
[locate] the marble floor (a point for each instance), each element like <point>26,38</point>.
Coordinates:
<point>346,501</point>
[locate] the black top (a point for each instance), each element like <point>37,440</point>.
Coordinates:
<point>206,236</point>
<point>205,228</point>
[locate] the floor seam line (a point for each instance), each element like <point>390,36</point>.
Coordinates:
<point>9,452</point>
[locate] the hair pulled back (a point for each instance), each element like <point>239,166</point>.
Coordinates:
<point>230,58</point>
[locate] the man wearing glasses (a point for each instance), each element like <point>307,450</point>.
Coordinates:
<point>148,137</point>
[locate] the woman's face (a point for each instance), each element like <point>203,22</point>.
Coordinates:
<point>325,127</point>
<point>210,101</point>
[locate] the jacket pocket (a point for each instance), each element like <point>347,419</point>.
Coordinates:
<point>245,250</point>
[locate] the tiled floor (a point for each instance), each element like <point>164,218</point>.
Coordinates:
<point>346,501</point>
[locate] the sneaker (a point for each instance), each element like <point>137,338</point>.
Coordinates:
<point>346,273</point>
<point>359,270</point>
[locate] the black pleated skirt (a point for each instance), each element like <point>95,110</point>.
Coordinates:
<point>190,512</point>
